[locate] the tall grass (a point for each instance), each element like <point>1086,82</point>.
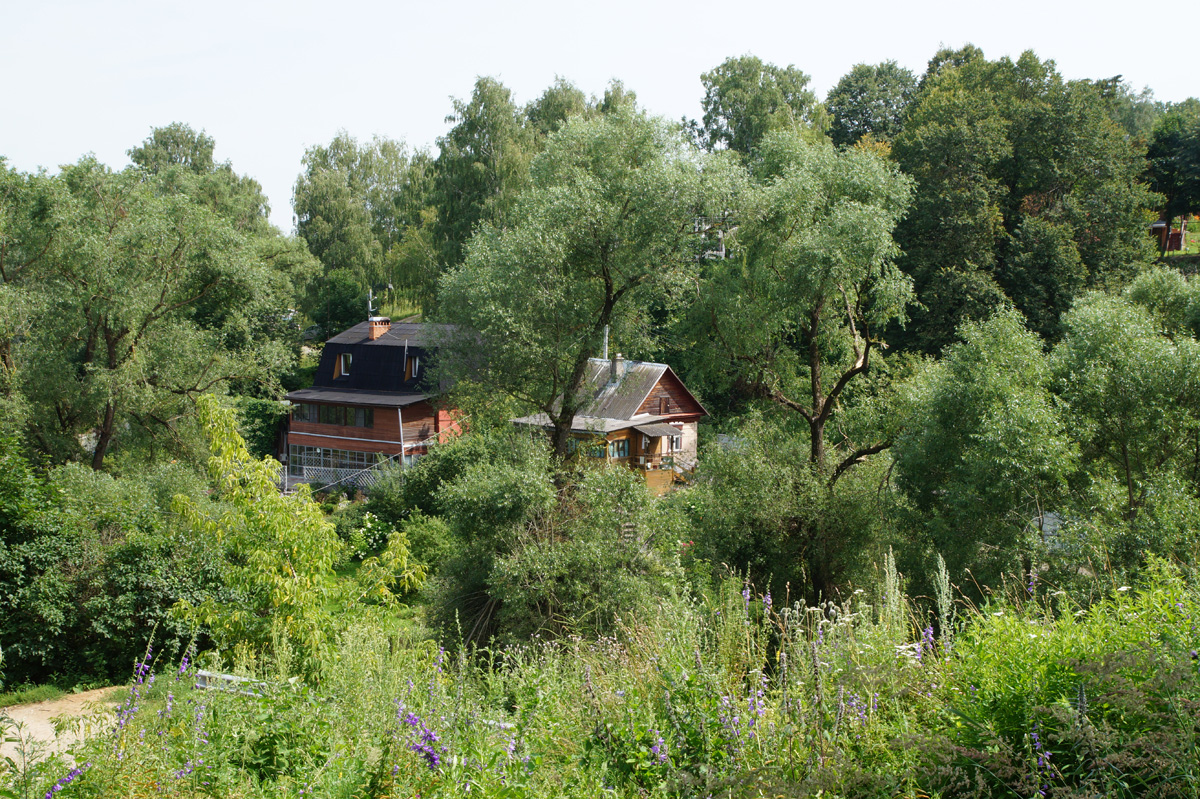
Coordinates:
<point>723,693</point>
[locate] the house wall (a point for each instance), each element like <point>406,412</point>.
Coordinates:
<point>420,423</point>
<point>689,449</point>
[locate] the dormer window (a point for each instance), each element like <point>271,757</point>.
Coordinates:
<point>343,364</point>
<point>413,368</point>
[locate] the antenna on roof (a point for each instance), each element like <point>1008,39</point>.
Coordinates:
<point>604,355</point>
<point>370,303</point>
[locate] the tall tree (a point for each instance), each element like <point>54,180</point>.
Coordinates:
<point>799,310</point>
<point>126,327</point>
<point>1025,189</point>
<point>745,98</point>
<point>181,161</point>
<point>796,317</point>
<point>557,104</point>
<point>482,167</point>
<point>605,231</point>
<point>869,99</point>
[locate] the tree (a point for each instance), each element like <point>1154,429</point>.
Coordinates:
<point>744,99</point>
<point>796,317</point>
<point>482,167</point>
<point>1025,186</point>
<point>338,302</point>
<point>355,203</point>
<point>1174,158</point>
<point>869,99</point>
<point>1132,392</point>
<point>280,550</point>
<point>605,231</point>
<point>123,330</point>
<point>799,310</point>
<point>181,160</point>
<point>985,450</point>
<point>555,107</point>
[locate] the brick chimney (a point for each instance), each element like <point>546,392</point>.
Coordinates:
<point>378,326</point>
<point>617,371</point>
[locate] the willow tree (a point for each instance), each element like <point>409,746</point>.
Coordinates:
<point>795,316</point>
<point>605,233</point>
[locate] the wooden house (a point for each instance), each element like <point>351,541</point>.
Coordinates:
<point>369,403</point>
<point>637,414</point>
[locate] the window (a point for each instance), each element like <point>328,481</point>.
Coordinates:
<point>305,412</point>
<point>301,457</point>
<point>344,415</point>
<point>675,443</point>
<point>344,360</point>
<point>412,367</point>
<point>619,448</point>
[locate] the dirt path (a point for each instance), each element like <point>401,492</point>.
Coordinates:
<point>38,718</point>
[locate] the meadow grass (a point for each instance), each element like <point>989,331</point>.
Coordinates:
<point>718,693</point>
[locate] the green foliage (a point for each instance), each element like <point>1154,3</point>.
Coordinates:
<point>259,421</point>
<point>279,551</point>
<point>869,100</point>
<point>985,450</point>
<point>89,567</point>
<point>361,208</point>
<point>1132,392</point>
<point>760,507</point>
<point>481,168</point>
<point>745,98</point>
<point>1174,160</point>
<point>1024,184</point>
<point>1090,702</point>
<point>337,301</point>
<point>605,231</point>
<point>577,570</point>
<point>171,297</point>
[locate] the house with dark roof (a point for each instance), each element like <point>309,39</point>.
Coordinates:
<point>637,414</point>
<point>369,403</point>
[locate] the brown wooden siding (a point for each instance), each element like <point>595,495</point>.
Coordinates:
<point>679,401</point>
<point>420,423</point>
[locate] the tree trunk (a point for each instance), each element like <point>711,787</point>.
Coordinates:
<point>105,438</point>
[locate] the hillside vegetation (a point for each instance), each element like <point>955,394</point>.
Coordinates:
<point>942,536</point>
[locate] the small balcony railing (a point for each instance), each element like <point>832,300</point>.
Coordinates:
<point>652,463</point>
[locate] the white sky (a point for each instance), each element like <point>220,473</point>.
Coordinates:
<point>269,78</point>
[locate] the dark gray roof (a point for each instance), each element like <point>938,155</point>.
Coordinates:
<point>657,430</point>
<point>349,396</point>
<point>621,399</point>
<point>417,334</point>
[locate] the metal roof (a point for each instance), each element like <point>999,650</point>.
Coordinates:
<point>589,424</point>
<point>349,396</point>
<point>618,399</point>
<point>658,430</point>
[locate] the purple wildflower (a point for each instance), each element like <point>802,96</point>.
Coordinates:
<point>423,740</point>
<point>659,748</point>
<point>71,776</point>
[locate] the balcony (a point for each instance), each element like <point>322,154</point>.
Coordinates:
<point>654,463</point>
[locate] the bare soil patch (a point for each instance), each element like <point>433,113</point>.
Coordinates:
<point>37,719</point>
